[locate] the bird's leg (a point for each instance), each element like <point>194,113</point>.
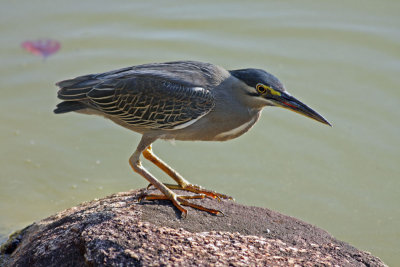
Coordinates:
<point>168,194</point>
<point>183,184</point>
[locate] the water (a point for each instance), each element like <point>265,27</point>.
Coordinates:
<point>341,58</point>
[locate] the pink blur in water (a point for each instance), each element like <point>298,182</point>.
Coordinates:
<point>42,47</point>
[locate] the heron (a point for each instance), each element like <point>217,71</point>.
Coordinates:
<point>180,100</point>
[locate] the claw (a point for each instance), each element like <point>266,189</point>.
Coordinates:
<point>195,206</point>
<point>180,201</point>
<point>183,184</point>
<point>141,197</point>
<point>199,190</point>
<point>149,186</point>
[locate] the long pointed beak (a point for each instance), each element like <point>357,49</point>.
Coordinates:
<point>287,101</point>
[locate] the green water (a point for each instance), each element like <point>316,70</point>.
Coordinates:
<point>340,57</point>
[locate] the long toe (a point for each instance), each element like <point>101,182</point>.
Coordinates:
<point>199,190</point>
<point>180,201</point>
<point>184,202</point>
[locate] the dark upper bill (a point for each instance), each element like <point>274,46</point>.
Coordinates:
<point>285,100</point>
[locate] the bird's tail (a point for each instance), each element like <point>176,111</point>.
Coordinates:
<point>67,106</point>
<point>77,88</point>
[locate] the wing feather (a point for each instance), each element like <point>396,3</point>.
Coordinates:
<point>151,102</point>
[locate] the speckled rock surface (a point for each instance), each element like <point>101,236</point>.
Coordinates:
<point>120,231</point>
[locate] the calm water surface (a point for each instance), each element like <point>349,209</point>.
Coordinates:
<point>341,58</point>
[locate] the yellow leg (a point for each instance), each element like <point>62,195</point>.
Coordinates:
<point>168,194</point>
<point>183,184</point>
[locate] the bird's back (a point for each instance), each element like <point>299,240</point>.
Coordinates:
<point>153,96</point>
<point>191,73</point>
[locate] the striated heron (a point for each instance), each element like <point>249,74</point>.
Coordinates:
<point>183,100</point>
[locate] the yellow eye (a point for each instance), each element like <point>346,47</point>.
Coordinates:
<point>261,88</point>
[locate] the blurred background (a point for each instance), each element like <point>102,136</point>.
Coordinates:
<point>342,58</point>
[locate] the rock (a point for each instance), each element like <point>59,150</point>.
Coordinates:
<point>120,231</point>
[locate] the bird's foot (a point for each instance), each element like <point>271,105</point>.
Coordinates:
<point>198,190</point>
<point>180,201</point>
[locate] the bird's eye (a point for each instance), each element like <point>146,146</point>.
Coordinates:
<point>261,88</point>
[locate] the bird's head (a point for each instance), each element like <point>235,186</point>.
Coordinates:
<point>264,89</point>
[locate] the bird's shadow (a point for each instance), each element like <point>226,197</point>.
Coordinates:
<point>162,206</point>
